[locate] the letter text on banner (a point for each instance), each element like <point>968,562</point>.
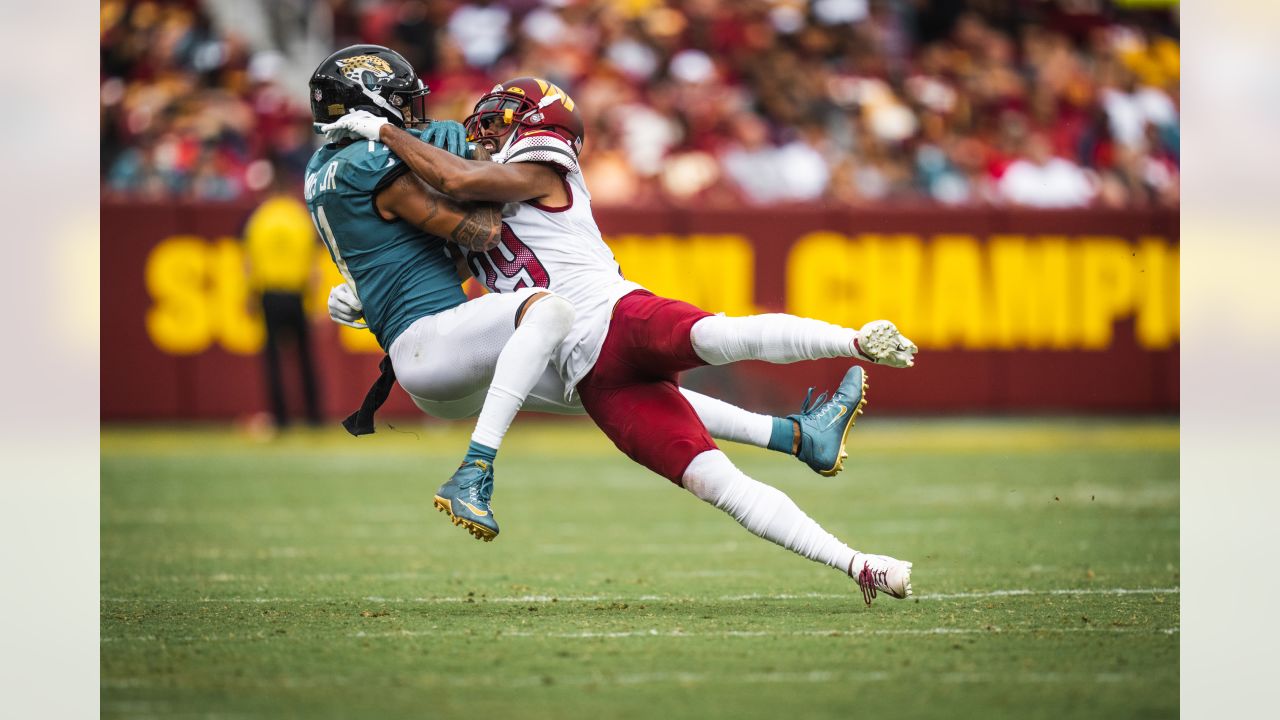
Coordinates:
<point>237,319</point>
<point>179,320</point>
<point>1156,293</point>
<point>1030,298</point>
<point>957,294</point>
<point>714,272</point>
<point>889,276</point>
<point>1106,288</point>
<point>821,278</point>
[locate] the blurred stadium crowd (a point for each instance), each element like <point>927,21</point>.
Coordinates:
<point>1050,103</point>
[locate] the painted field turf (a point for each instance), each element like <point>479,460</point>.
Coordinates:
<point>310,577</point>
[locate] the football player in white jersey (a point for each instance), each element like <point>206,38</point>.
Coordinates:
<point>627,347</point>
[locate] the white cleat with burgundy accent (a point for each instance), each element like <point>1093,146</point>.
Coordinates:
<point>881,574</point>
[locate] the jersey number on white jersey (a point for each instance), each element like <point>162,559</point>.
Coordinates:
<point>510,266</point>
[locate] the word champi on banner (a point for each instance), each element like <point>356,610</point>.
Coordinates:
<point>1009,292</point>
<point>1005,292</point>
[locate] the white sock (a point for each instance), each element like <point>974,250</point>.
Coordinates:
<point>730,422</point>
<point>774,338</point>
<point>763,510</point>
<point>520,364</point>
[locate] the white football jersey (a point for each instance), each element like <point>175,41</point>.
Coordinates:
<point>559,249</point>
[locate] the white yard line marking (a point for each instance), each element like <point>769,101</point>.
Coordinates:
<point>659,678</point>
<point>833,632</point>
<point>646,598</point>
<point>655,633</point>
<point>1019,593</point>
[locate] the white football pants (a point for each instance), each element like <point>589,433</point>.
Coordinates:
<point>446,363</point>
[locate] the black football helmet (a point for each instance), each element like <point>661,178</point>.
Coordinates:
<point>368,77</point>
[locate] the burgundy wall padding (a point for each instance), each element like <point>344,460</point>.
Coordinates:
<point>142,382</point>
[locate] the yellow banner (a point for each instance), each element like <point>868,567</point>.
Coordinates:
<point>1012,292</point>
<point>950,291</point>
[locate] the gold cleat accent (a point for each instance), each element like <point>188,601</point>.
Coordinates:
<point>480,532</point>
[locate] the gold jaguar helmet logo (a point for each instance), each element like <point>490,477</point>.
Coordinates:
<point>355,67</point>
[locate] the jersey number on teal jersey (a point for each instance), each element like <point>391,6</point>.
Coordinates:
<point>326,234</point>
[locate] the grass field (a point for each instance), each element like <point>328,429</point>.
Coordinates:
<point>309,577</point>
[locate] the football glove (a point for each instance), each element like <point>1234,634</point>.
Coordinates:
<point>345,307</point>
<point>880,342</point>
<point>360,123</point>
<point>334,135</point>
<point>447,135</point>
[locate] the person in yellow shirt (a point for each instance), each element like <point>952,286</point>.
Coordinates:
<point>280,246</point>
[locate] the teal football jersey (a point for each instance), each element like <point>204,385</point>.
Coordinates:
<point>400,273</point>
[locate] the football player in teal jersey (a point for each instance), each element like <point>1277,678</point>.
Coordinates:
<point>388,234</point>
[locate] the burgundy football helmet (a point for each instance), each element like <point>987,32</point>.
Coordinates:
<point>523,105</point>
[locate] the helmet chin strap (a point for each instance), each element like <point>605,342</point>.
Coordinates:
<point>382,102</point>
<point>511,136</point>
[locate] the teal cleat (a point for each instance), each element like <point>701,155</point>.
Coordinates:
<point>466,498</point>
<point>825,424</point>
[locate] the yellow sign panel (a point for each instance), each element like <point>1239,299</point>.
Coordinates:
<point>200,297</point>
<point>954,291</point>
<point>714,272</point>
<point>1013,292</point>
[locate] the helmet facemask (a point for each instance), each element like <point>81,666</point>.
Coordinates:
<point>518,107</point>
<point>413,105</point>
<point>495,116</point>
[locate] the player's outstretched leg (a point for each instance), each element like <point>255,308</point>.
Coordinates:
<point>779,338</point>
<point>467,496</point>
<point>816,435</point>
<point>768,513</point>
<point>809,435</point>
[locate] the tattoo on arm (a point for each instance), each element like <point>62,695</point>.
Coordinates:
<point>433,209</point>
<point>480,229</point>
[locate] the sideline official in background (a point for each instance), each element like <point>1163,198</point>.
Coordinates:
<point>281,248</point>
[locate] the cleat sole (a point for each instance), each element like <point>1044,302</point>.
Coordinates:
<point>480,532</point>
<point>853,419</point>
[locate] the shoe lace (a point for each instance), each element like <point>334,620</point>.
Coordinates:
<point>482,489</point>
<point>808,407</point>
<point>818,409</point>
<point>869,580</point>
